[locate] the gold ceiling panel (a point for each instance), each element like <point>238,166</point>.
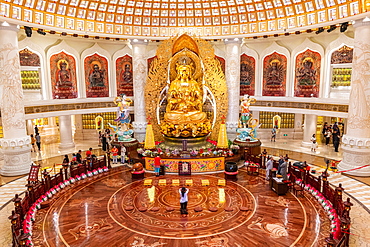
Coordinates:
<point>163,18</point>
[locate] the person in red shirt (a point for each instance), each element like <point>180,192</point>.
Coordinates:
<point>89,153</point>
<point>157,165</point>
<point>114,154</point>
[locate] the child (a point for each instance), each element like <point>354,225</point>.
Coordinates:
<point>114,154</point>
<point>313,146</point>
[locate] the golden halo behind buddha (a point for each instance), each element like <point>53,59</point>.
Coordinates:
<point>188,57</point>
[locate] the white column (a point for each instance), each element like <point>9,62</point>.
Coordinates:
<point>233,85</point>
<point>79,127</point>
<point>140,68</point>
<point>356,143</point>
<point>310,123</point>
<point>15,144</point>
<point>65,129</point>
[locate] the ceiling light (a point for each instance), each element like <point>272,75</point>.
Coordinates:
<point>343,27</point>
<point>41,31</point>
<point>28,31</point>
<point>320,30</point>
<point>332,28</point>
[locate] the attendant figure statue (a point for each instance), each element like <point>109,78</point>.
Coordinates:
<point>123,112</point>
<point>246,114</point>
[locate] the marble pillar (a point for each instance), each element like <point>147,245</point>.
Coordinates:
<point>232,75</point>
<point>65,130</point>
<point>16,143</point>
<point>356,141</point>
<point>310,125</point>
<point>140,68</point>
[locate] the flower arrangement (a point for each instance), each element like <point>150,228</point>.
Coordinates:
<point>234,146</point>
<point>175,152</point>
<point>140,151</point>
<point>194,152</point>
<point>250,163</point>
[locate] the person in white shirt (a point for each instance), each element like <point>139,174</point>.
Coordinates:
<point>184,200</point>
<point>269,166</point>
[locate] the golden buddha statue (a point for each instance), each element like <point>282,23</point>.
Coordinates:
<point>184,116</point>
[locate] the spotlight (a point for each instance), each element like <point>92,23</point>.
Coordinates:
<point>332,28</point>
<point>28,31</point>
<point>41,31</point>
<point>343,27</point>
<point>320,30</point>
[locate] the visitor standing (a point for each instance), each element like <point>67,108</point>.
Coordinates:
<point>114,154</point>
<point>104,142</point>
<point>33,142</point>
<point>100,139</point>
<point>273,134</point>
<point>38,141</point>
<point>281,161</point>
<point>123,154</point>
<point>183,200</point>
<point>79,157</point>
<point>269,166</point>
<point>66,159</point>
<point>336,137</point>
<point>36,130</point>
<point>157,164</point>
<point>313,146</point>
<point>89,153</point>
<point>327,136</point>
<point>284,168</point>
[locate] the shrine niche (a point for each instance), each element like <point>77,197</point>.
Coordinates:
<point>307,74</point>
<point>150,60</point>
<point>342,55</point>
<point>124,76</point>
<point>247,75</point>
<point>222,63</point>
<point>63,76</point>
<point>274,75</point>
<point>96,76</point>
<point>29,58</point>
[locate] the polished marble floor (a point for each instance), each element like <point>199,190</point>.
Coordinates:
<point>357,188</point>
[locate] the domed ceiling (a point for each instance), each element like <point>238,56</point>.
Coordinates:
<point>164,18</point>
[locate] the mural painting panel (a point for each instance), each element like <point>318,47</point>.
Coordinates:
<point>222,62</point>
<point>63,76</point>
<point>274,75</point>
<point>96,76</point>
<point>28,58</point>
<point>307,75</point>
<point>247,75</point>
<point>124,76</point>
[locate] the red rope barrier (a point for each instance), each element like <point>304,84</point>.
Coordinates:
<point>357,235</point>
<point>353,169</point>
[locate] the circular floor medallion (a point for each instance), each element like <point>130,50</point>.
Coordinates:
<point>166,223</point>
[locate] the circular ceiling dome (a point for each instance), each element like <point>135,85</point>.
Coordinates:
<point>165,18</point>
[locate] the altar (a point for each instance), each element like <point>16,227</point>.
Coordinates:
<point>198,164</point>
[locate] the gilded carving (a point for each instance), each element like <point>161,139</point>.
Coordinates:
<point>213,78</point>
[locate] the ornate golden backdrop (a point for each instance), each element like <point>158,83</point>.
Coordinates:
<point>166,18</point>
<point>157,80</point>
